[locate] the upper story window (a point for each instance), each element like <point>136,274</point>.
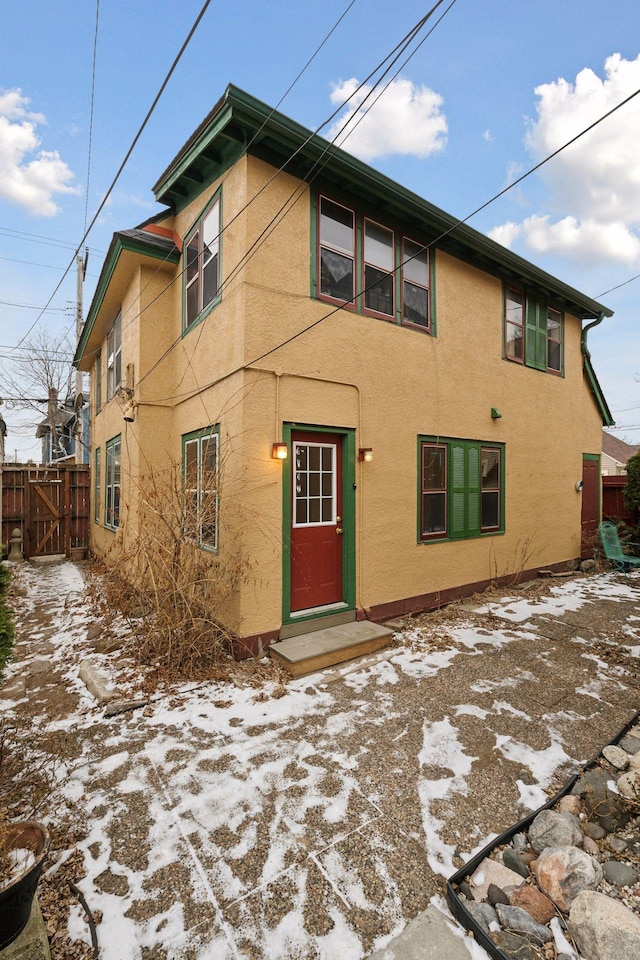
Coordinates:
<point>533,331</point>
<point>378,269</point>
<point>415,284</point>
<point>202,272</point>
<point>114,357</point>
<point>392,272</point>
<point>337,251</point>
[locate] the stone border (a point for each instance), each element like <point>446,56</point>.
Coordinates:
<point>456,903</point>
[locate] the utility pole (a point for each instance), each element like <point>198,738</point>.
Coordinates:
<point>81,265</point>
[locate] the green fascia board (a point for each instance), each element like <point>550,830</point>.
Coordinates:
<point>119,243</point>
<point>268,134</point>
<point>603,406</point>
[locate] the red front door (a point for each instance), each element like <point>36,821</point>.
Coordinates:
<point>590,505</point>
<point>316,520</point>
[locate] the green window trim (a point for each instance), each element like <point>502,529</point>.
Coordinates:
<point>97,480</point>
<point>542,329</point>
<point>464,497</point>
<point>201,265</point>
<point>113,451</point>
<point>403,283</point>
<point>201,478</point>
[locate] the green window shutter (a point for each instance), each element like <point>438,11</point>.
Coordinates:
<point>536,334</point>
<point>473,490</point>
<point>465,489</point>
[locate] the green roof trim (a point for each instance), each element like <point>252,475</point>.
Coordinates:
<point>132,241</point>
<point>240,123</point>
<point>596,389</point>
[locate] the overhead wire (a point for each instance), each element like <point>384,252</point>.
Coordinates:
<point>93,91</point>
<point>134,142</point>
<point>421,250</point>
<point>393,56</point>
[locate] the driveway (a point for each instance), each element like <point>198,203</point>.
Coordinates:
<point>238,820</point>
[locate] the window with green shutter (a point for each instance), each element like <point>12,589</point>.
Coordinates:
<point>461,488</point>
<point>533,331</point>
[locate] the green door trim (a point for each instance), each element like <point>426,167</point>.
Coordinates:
<point>348,521</point>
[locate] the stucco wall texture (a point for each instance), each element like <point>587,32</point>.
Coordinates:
<point>387,383</point>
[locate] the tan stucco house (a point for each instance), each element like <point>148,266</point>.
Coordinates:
<point>403,410</point>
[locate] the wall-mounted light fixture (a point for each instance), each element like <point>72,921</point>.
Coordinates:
<point>579,486</point>
<point>279,450</point>
<point>365,454</point>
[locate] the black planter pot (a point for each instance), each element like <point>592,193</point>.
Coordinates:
<point>16,899</point>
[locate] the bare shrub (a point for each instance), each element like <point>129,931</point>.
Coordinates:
<point>170,582</point>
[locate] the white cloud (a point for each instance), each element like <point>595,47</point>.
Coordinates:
<point>488,136</point>
<point>594,185</point>
<point>406,119</point>
<point>29,183</point>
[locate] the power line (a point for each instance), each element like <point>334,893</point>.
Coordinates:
<point>617,287</point>
<point>393,57</point>
<point>93,90</point>
<point>427,246</point>
<point>125,160</point>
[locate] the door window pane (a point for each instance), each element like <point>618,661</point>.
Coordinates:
<point>314,491</point>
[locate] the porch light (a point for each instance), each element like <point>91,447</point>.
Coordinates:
<point>279,450</point>
<point>365,454</point>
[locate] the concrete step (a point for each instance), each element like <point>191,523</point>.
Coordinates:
<point>324,648</point>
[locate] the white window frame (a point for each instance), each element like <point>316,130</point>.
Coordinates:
<point>114,357</point>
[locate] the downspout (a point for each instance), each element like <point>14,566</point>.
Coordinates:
<point>585,330</point>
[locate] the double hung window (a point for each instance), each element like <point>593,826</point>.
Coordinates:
<point>415,284</point>
<point>201,475</point>
<point>112,483</point>
<point>202,272</point>
<point>461,489</point>
<point>337,251</point>
<point>114,357</point>
<point>533,331</point>
<point>378,269</point>
<point>97,480</point>
<point>369,267</point>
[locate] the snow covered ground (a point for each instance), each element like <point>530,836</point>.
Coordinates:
<point>223,822</point>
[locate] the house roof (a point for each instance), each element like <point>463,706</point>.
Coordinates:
<point>149,241</point>
<point>239,123</point>
<point>617,449</point>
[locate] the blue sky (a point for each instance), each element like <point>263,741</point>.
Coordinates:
<point>497,86</point>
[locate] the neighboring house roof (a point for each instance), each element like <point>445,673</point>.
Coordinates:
<point>62,419</point>
<point>239,124</point>
<point>617,449</point>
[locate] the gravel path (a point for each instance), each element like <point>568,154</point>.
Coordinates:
<point>228,821</point>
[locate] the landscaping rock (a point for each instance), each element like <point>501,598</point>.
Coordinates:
<point>617,844</point>
<point>483,914</point>
<point>616,756</point>
<point>539,907</point>
<point>590,846</point>
<point>601,804</point>
<point>519,842</point>
<point>564,872</point>
<point>496,895</point>
<point>517,920</point>
<point>569,804</point>
<point>603,928</point>
<point>511,860</point>
<point>630,744</point>
<point>595,830</point>
<point>513,947</point>
<point>491,872</point>
<point>619,873</point>
<point>551,829</point>
<point>629,785</point>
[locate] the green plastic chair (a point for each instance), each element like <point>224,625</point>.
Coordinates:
<point>613,548</point>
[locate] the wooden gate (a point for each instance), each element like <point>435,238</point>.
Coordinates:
<point>49,505</point>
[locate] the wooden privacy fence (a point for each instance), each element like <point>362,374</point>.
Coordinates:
<point>613,507</point>
<point>49,505</point>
